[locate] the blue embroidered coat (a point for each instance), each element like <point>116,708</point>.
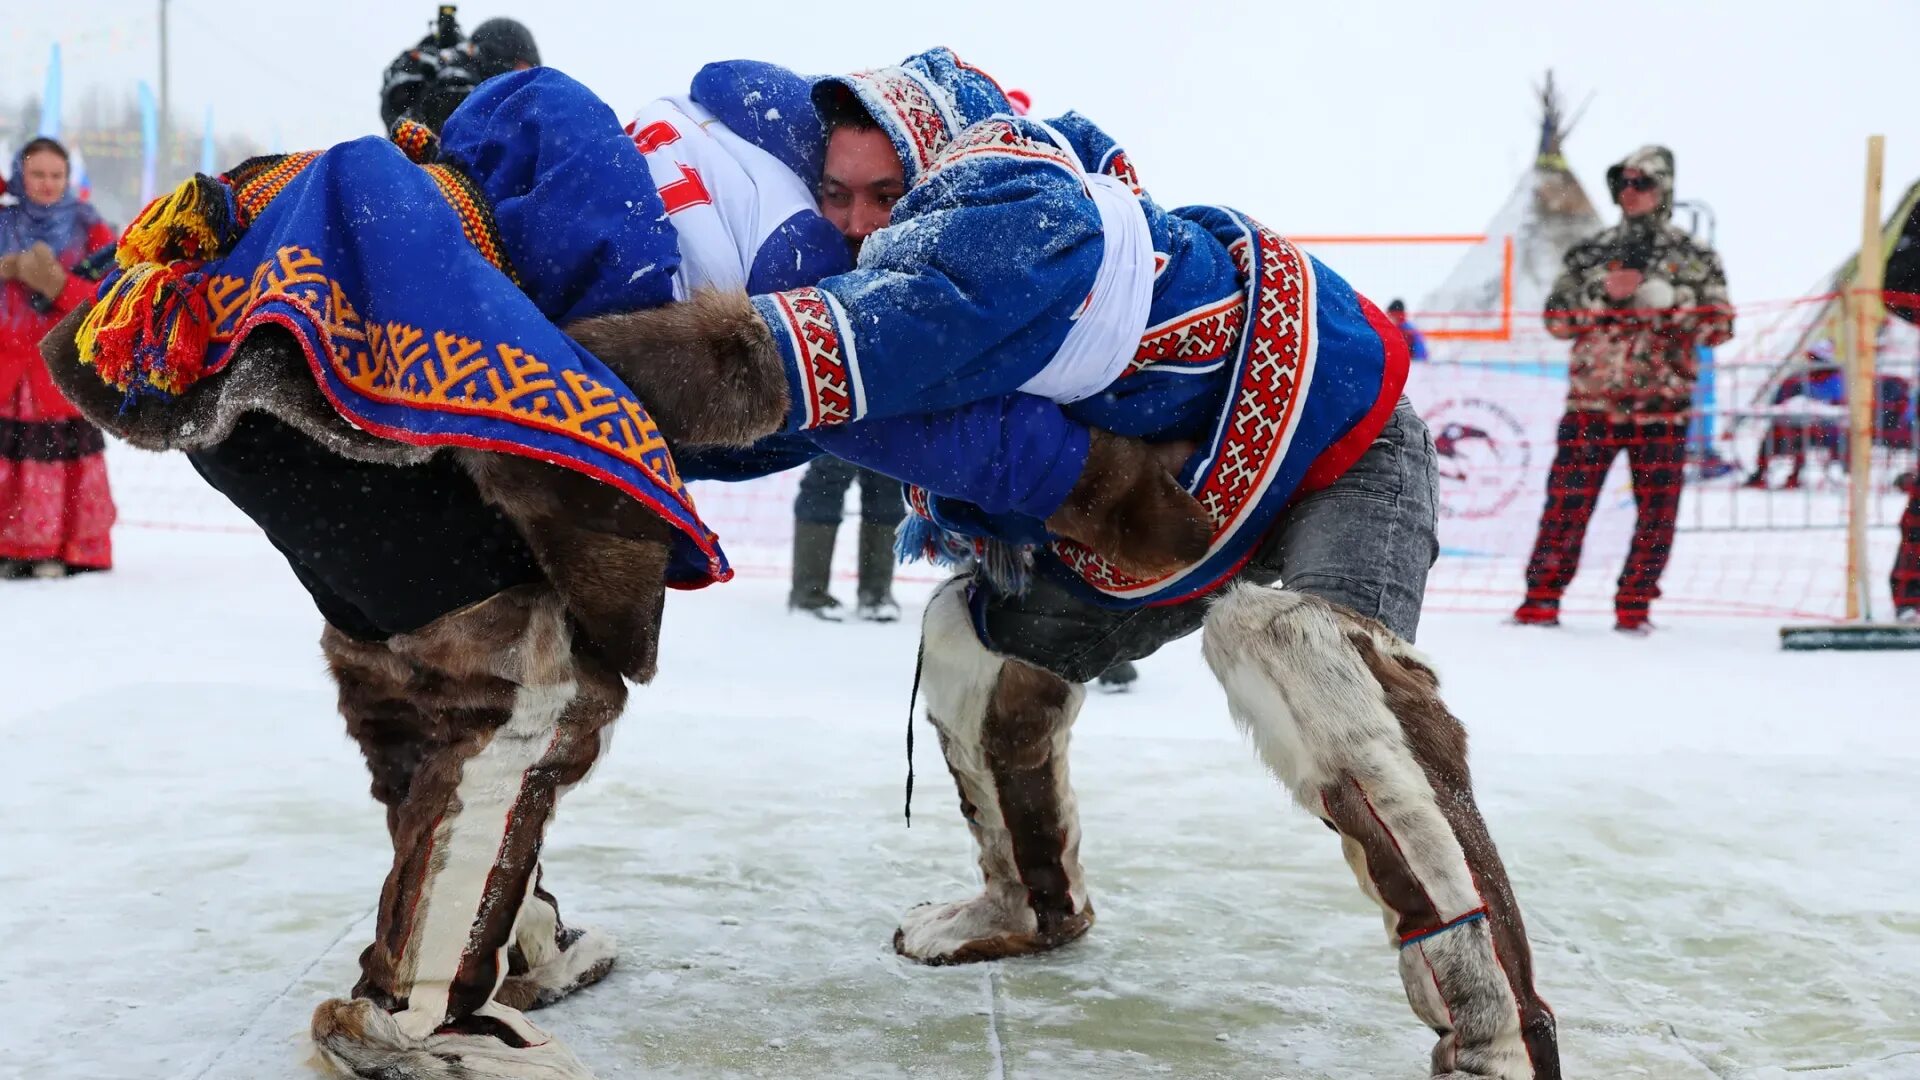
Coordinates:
<point>1280,370</point>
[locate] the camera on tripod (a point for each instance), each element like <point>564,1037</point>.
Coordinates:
<point>453,60</point>
<point>426,81</point>
<point>446,31</point>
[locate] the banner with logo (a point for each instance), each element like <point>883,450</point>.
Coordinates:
<point>1493,430</point>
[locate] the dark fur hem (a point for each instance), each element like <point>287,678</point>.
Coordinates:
<point>605,553</point>
<point>268,374</point>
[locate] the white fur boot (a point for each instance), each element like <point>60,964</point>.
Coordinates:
<point>1349,717</point>
<point>360,1039</point>
<point>548,961</point>
<point>1003,726</point>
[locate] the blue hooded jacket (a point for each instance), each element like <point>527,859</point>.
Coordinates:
<point>1266,357</point>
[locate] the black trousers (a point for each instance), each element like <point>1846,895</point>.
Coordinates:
<point>823,494</point>
<point>382,549</point>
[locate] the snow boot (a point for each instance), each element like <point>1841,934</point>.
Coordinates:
<point>1119,678</point>
<point>360,1039</point>
<point>548,959</point>
<point>876,573</point>
<point>812,566</point>
<point>1349,719</point>
<point>1004,729</point>
<point>1532,612</point>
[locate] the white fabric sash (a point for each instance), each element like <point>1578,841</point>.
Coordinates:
<point>1106,334</point>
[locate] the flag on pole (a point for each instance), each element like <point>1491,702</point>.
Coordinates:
<point>82,183</point>
<point>50,100</point>
<point>149,141</point>
<point>206,143</point>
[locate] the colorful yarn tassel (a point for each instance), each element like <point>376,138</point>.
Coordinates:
<point>147,333</point>
<point>197,221</point>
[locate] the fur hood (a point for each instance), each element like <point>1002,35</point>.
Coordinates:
<point>1653,161</point>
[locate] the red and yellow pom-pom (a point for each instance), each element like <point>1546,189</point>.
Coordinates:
<point>148,332</point>
<point>193,221</point>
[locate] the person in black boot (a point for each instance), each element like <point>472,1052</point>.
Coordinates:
<point>1119,678</point>
<point>817,511</point>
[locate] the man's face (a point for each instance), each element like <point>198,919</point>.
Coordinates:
<point>46,176</point>
<point>1639,193</point>
<point>862,181</point>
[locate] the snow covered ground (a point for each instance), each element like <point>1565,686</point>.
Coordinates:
<point>1716,844</point>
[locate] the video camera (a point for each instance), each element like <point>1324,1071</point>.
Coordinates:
<point>427,81</point>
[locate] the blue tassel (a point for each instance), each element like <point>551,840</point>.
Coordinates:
<point>916,539</point>
<point>1008,566</point>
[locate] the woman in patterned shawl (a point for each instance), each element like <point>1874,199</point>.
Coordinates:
<point>55,509</point>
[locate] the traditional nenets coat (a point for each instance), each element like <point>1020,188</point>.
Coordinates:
<point>736,161</point>
<point>1025,258</point>
<point>359,349</point>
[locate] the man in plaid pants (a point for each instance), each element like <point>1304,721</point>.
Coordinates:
<point>1906,561</point>
<point>1638,300</point>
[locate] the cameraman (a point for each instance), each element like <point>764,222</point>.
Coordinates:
<point>427,82</point>
<point>1638,301</point>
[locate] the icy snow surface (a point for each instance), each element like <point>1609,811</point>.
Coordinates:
<point>1715,843</point>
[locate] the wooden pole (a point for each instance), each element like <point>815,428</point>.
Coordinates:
<point>1864,314</point>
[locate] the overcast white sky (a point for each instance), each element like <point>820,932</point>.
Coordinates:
<point>1351,116</point>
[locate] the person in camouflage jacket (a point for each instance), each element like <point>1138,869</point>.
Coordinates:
<point>1638,300</point>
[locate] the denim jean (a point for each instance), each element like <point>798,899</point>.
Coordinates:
<point>1366,541</point>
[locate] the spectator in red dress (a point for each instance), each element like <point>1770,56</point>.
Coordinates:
<point>55,509</point>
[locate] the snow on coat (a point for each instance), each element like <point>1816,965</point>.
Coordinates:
<point>1002,254</point>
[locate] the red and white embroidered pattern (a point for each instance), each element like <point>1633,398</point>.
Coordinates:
<point>919,501</point>
<point>998,138</point>
<point>827,375</point>
<point>1197,339</point>
<point>1120,167</point>
<point>1275,367</point>
<point>912,106</point>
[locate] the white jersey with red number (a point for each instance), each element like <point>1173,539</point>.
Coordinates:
<point>744,219</point>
